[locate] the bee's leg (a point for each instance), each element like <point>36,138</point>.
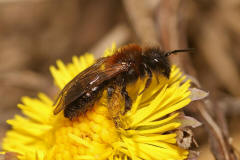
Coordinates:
<point>149,80</point>
<point>114,100</point>
<point>115,105</point>
<point>128,101</point>
<point>110,91</point>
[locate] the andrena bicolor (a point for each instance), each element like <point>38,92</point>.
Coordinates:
<point>125,66</point>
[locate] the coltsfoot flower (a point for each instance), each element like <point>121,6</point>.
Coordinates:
<point>147,131</point>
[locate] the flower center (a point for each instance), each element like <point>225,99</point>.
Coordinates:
<point>89,134</point>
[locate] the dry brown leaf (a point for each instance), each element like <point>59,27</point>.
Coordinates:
<point>197,94</point>
<point>187,121</point>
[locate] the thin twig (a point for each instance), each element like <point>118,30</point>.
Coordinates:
<point>215,131</point>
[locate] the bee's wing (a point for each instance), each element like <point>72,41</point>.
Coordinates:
<point>60,100</point>
<point>85,81</point>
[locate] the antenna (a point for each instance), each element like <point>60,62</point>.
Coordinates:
<point>179,50</point>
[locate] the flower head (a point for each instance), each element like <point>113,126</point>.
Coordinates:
<point>147,130</point>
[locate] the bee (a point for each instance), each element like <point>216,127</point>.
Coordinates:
<point>125,66</point>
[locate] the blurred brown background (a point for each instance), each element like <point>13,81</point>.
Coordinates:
<point>35,33</point>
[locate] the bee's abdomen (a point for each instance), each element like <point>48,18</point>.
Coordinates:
<point>82,104</point>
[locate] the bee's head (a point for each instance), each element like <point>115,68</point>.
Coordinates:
<point>156,60</point>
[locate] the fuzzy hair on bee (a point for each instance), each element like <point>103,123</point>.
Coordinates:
<point>125,66</point>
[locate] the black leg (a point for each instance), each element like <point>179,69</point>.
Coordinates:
<point>110,91</point>
<point>149,80</point>
<point>128,101</point>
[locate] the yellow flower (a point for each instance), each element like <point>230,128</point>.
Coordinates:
<point>148,130</point>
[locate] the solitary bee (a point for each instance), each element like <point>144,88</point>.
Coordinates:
<point>126,65</point>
